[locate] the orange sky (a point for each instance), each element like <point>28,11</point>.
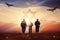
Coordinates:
<point>45,27</point>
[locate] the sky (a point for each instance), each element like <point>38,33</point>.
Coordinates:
<point>30,10</point>
<point>27,3</point>
<point>21,3</point>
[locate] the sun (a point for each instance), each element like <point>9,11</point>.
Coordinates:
<point>28,20</point>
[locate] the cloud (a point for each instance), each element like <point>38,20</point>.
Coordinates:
<point>28,3</point>
<point>21,3</point>
<point>50,3</point>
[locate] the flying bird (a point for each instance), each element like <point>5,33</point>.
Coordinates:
<point>53,9</point>
<point>8,4</point>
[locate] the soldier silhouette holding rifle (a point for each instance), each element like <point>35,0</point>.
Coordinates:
<point>30,27</point>
<point>23,25</point>
<point>37,25</point>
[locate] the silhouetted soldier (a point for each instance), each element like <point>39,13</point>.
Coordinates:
<point>23,25</point>
<point>37,24</point>
<point>30,27</point>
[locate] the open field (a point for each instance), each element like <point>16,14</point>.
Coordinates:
<point>33,36</point>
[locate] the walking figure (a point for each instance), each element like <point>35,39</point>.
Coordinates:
<point>30,27</point>
<point>37,24</point>
<point>23,25</point>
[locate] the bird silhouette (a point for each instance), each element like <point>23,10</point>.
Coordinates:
<point>8,4</point>
<point>53,9</point>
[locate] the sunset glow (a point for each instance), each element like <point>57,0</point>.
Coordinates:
<point>28,10</point>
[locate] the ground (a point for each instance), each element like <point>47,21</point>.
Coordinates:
<point>27,36</point>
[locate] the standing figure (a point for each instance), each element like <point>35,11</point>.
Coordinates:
<point>30,27</point>
<point>23,25</point>
<point>37,25</point>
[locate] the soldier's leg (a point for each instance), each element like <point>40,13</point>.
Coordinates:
<point>37,29</point>
<point>24,29</point>
<point>30,29</point>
